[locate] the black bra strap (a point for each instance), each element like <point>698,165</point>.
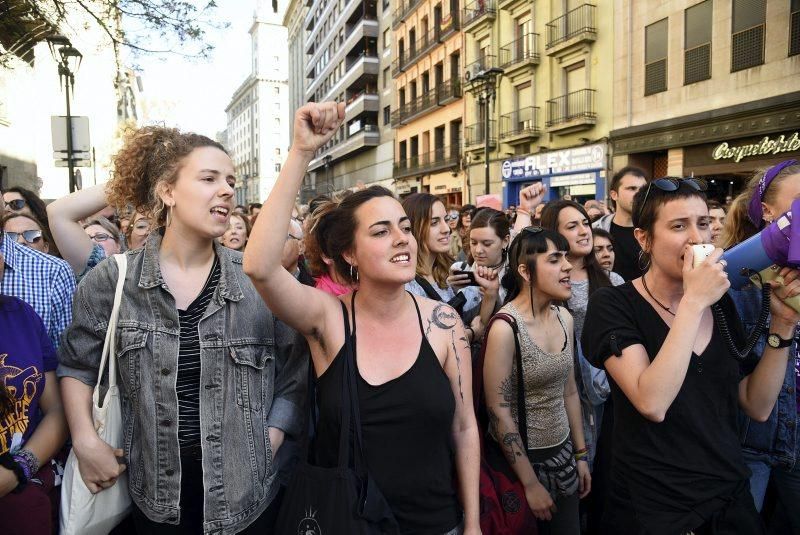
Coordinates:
<point>561,322</point>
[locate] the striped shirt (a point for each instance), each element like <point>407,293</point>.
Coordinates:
<point>189,365</point>
<point>43,281</point>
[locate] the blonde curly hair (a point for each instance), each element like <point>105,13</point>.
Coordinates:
<point>150,156</point>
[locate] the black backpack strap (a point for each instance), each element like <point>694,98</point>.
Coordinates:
<point>522,417</point>
<point>430,291</point>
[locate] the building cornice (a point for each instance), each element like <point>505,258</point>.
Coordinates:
<point>764,116</point>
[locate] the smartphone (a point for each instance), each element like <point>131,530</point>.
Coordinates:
<point>470,277</point>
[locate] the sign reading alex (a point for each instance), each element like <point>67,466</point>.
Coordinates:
<point>572,160</point>
<point>767,146</point>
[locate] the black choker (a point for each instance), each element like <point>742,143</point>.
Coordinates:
<point>646,289</point>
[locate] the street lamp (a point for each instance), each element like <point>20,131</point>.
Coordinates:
<point>68,59</point>
<point>484,88</point>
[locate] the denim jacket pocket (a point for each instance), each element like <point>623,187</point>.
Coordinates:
<point>130,343</point>
<point>253,374</point>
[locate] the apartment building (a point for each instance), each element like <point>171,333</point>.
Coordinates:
<point>537,87</point>
<point>707,88</point>
<point>258,112</point>
<point>428,113</point>
<point>346,58</point>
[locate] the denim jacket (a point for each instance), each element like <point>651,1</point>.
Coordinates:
<point>775,439</point>
<point>248,384</point>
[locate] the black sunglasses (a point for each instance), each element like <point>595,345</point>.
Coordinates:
<point>670,184</point>
<point>15,205</point>
<point>30,236</point>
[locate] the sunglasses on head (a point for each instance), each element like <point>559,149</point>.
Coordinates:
<point>670,184</point>
<point>30,236</point>
<point>16,205</point>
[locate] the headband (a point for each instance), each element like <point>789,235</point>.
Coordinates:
<point>755,210</point>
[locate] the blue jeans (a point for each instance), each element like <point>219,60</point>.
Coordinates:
<point>787,485</point>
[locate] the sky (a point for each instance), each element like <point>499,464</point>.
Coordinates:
<point>193,94</point>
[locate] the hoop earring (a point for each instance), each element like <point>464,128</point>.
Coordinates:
<point>169,215</point>
<point>352,278</point>
<point>644,261</point>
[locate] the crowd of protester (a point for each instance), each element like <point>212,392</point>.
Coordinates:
<point>237,338</point>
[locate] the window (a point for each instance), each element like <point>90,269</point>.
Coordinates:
<point>747,34</point>
<point>277,168</point>
<point>276,90</point>
<point>655,54</point>
<point>277,152</point>
<point>387,115</point>
<point>387,38</point>
<point>697,43</point>
<point>386,77</point>
<point>794,28</point>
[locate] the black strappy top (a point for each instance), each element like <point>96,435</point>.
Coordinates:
<point>407,431</point>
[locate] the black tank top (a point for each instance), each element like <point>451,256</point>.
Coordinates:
<point>407,432</point>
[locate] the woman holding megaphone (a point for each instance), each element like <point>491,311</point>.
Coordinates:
<point>677,464</point>
<point>770,448</point>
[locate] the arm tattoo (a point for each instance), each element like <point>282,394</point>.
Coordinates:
<point>445,317</point>
<point>507,391</point>
<point>512,446</point>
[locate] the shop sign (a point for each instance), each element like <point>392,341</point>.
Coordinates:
<point>766,146</point>
<point>575,159</point>
<point>573,180</point>
<point>401,187</point>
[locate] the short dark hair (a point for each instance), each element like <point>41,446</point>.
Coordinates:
<point>602,233</point>
<point>644,217</point>
<point>627,170</point>
<point>251,206</point>
<point>715,205</point>
<point>523,250</point>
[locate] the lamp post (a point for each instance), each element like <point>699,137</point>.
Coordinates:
<point>68,59</point>
<point>484,88</point>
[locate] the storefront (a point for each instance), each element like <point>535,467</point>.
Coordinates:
<point>447,187</point>
<point>405,186</point>
<point>725,146</point>
<point>579,172</point>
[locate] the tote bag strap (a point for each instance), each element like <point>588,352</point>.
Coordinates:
<point>109,346</point>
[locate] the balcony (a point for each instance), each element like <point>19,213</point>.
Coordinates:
<point>359,138</point>
<point>482,65</point>
<point>572,112</point>
<point>446,93</point>
<point>478,12</point>
<point>404,9</point>
<point>577,26</point>
<point>520,126</point>
<point>475,136</point>
<point>364,100</point>
<point>437,160</point>
<point>423,45</point>
<point>520,53</point>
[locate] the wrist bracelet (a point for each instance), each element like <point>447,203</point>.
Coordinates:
<point>527,213</point>
<point>28,461</point>
<point>8,462</point>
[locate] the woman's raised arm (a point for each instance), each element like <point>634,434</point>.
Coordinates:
<point>301,307</point>
<point>65,214</point>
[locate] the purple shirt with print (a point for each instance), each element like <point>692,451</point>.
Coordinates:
<point>26,354</point>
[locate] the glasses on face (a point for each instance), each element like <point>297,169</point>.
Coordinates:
<point>450,217</point>
<point>16,205</point>
<point>670,184</point>
<point>31,237</point>
<point>101,237</point>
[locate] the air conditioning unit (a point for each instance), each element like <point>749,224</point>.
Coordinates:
<point>473,71</point>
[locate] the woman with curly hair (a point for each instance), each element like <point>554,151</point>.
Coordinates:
<point>197,352</point>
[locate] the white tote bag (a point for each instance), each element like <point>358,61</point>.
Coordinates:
<point>84,513</point>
